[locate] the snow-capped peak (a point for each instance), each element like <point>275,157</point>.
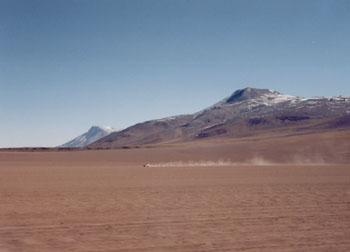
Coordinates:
<point>250,98</point>
<point>254,96</point>
<point>92,135</point>
<point>262,96</point>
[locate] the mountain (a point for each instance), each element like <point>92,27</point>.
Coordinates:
<point>246,112</point>
<point>94,133</point>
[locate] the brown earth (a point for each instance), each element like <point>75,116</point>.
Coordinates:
<point>105,200</point>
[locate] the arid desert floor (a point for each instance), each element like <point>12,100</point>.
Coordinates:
<point>107,201</point>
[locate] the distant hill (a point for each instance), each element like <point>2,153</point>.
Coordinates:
<point>246,112</point>
<point>93,134</point>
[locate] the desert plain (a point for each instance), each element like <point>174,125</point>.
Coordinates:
<point>255,194</point>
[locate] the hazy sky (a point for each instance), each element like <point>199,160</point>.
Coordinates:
<point>67,65</point>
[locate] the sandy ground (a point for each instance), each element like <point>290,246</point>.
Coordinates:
<point>107,201</point>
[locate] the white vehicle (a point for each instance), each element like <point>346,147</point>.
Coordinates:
<point>146,165</point>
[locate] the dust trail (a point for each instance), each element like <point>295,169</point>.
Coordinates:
<point>192,163</point>
<point>255,161</point>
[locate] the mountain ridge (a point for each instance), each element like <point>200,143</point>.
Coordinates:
<point>245,112</point>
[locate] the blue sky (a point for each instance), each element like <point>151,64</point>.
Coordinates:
<point>66,65</point>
